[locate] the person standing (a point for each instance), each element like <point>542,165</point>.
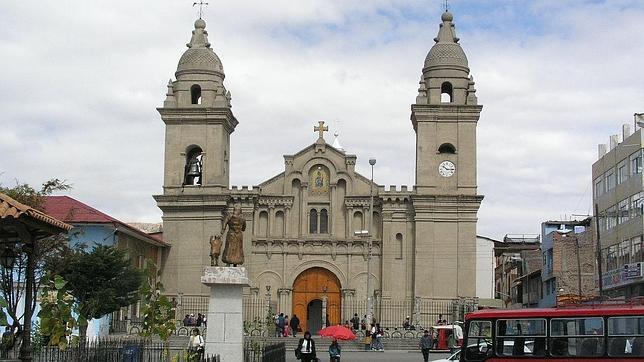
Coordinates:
<point>425,344</point>
<point>196,344</point>
<point>334,351</point>
<point>306,348</point>
<point>452,343</point>
<point>355,321</point>
<point>287,327</point>
<point>295,325</point>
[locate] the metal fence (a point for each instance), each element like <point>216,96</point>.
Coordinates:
<point>262,351</point>
<point>422,313</point>
<point>118,350</point>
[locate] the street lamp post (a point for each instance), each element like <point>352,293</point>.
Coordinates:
<point>372,162</point>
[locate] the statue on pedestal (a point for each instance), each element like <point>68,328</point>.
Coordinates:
<point>215,250</point>
<point>234,250</point>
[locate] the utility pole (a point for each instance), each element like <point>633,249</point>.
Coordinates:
<point>599,254</point>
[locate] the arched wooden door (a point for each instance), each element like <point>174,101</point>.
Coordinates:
<point>308,288</point>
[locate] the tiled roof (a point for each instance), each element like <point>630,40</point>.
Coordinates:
<point>75,212</point>
<point>10,208</point>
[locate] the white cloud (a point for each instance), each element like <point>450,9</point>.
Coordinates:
<point>82,80</point>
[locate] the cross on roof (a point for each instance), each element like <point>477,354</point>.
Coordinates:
<point>446,5</point>
<point>201,4</point>
<point>320,128</point>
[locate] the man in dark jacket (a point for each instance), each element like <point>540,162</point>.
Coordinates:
<point>295,324</point>
<point>306,348</point>
<point>426,344</point>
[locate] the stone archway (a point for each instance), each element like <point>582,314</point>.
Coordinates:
<point>308,289</point>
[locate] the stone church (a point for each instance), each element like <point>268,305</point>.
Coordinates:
<point>301,247</point>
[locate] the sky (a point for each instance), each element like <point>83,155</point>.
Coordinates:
<point>81,81</point>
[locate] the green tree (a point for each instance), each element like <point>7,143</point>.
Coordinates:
<point>26,194</point>
<point>57,312</point>
<point>157,311</point>
<point>102,281</point>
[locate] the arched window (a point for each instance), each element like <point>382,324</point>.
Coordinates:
<point>357,221</point>
<point>447,148</point>
<point>324,222</point>
<point>194,166</point>
<point>446,92</point>
<point>278,230</point>
<point>399,245</point>
<point>263,223</point>
<point>313,222</point>
<point>195,94</point>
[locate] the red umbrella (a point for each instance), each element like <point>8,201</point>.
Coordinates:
<point>338,332</point>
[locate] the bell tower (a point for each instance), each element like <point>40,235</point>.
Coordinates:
<point>446,202</point>
<point>198,122</point>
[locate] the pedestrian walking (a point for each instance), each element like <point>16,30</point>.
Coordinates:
<point>376,338</point>
<point>295,325</point>
<point>425,344</point>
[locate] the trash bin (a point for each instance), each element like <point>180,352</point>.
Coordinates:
<point>132,353</point>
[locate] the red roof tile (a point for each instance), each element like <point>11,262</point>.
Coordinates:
<point>75,212</point>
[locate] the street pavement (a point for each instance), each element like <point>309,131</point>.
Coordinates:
<point>397,356</point>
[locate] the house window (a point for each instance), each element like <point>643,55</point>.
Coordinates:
<point>610,181</point>
<point>636,163</point>
<point>447,148</point>
<point>195,94</point>
<point>313,221</point>
<point>623,212</point>
<point>611,217</point>
<point>599,186</point>
<point>636,205</point>
<point>446,92</point>
<point>324,222</point>
<point>622,172</point>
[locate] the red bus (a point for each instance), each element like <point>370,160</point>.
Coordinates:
<point>580,333</point>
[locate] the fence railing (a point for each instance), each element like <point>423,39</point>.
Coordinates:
<point>262,351</point>
<point>390,313</point>
<point>118,350</point>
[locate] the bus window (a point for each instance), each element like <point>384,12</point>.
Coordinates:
<point>479,340</point>
<point>581,337</point>
<point>521,337</point>
<point>625,336</point>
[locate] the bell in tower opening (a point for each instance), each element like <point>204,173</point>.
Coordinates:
<point>194,167</point>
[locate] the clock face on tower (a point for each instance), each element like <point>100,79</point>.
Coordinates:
<point>446,168</point>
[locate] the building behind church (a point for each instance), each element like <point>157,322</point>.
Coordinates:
<point>302,253</point>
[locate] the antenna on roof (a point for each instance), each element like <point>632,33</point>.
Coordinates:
<point>201,4</point>
<point>446,5</point>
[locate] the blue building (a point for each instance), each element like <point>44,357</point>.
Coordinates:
<point>90,227</point>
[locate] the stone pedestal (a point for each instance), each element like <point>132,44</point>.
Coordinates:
<point>225,333</point>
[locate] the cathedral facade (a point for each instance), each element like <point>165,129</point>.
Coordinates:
<point>311,242</point>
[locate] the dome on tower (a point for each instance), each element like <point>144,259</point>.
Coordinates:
<point>447,51</point>
<point>199,58</point>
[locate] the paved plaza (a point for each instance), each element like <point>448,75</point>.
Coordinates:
<point>398,356</point>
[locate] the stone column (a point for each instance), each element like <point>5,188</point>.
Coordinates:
<point>225,333</point>
<point>324,304</point>
<point>287,222</point>
<point>350,223</point>
<point>270,228</point>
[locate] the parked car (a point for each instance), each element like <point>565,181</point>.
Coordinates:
<point>451,358</point>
